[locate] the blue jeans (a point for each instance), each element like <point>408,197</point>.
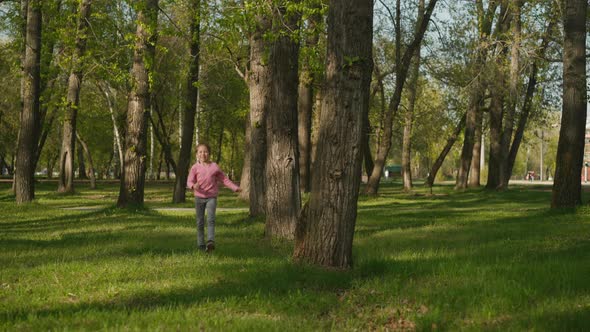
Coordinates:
<point>202,204</point>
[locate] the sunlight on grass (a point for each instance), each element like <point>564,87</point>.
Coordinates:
<point>473,260</point>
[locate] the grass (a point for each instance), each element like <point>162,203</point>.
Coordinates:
<point>474,260</point>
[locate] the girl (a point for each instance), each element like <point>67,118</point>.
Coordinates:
<point>202,180</point>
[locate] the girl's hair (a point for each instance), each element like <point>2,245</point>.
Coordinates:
<point>205,145</point>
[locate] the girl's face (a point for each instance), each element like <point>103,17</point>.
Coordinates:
<point>203,154</point>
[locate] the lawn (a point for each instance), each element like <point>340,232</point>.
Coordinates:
<point>474,260</point>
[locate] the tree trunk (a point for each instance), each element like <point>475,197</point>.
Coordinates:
<point>283,199</point>
<point>443,154</point>
<point>475,168</point>
<point>259,81</point>
<point>498,93</point>
<point>477,91</point>
<point>163,138</point>
<point>81,163</point>
<point>133,178</point>
<point>188,127</point>
<point>409,118</point>
<point>305,107</point>
<point>326,228</point>
<point>29,118</point>
<point>402,68</point>
<point>570,149</point>
<point>89,158</point>
<point>245,178</point>
<point>68,145</point>
<point>513,96</point>
<point>117,145</point>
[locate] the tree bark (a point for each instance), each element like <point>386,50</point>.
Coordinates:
<point>133,178</point>
<point>326,228</point>
<point>259,82</point>
<point>245,178</point>
<point>68,145</point>
<point>513,96</point>
<point>305,107</point>
<point>283,199</point>
<point>498,94</point>
<point>475,168</point>
<point>188,127</point>
<point>567,188</point>
<point>24,184</point>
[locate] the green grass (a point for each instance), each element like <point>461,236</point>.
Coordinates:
<point>474,260</point>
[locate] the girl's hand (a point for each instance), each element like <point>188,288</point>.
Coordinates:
<point>239,190</point>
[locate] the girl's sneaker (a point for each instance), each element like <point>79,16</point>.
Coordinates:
<point>210,246</point>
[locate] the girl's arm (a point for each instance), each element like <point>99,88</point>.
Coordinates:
<point>226,181</point>
<point>191,180</point>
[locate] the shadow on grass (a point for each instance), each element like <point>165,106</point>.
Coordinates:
<point>438,251</point>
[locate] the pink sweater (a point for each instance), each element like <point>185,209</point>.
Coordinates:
<point>207,176</point>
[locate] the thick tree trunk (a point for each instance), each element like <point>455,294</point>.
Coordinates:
<point>24,184</point>
<point>570,149</point>
<point>283,200</point>
<point>188,127</point>
<point>89,158</point>
<point>445,151</point>
<point>259,81</point>
<point>133,178</point>
<point>325,230</point>
<point>68,145</point>
<point>498,93</point>
<point>496,113</point>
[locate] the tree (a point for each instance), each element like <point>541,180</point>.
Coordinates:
<point>133,178</point>
<point>29,120</point>
<point>66,160</point>
<point>402,68</point>
<point>307,81</point>
<point>283,199</point>
<point>570,150</point>
<point>259,83</point>
<point>188,122</point>
<point>326,227</point>
<point>409,113</point>
<point>477,90</point>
